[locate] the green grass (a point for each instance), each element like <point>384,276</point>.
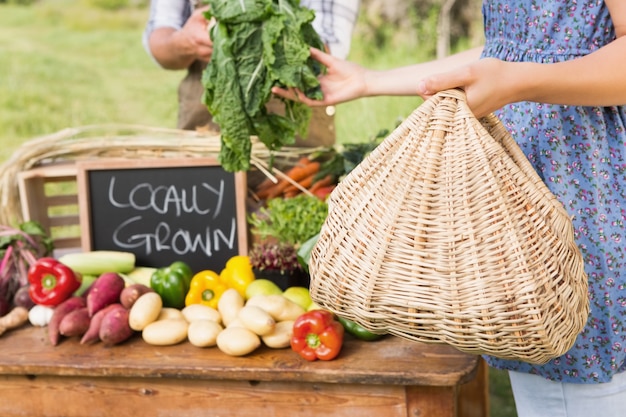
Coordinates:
<point>500,394</point>
<point>66,64</point>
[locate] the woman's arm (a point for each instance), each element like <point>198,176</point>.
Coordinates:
<point>598,79</point>
<point>345,80</point>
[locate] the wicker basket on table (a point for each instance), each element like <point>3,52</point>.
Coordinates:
<point>446,234</point>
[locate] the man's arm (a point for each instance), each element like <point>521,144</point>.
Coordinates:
<point>174,36</point>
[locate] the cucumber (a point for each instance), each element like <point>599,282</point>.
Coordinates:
<point>141,275</point>
<point>100,261</point>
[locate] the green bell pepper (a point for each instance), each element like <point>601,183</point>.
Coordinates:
<point>172,283</point>
<point>358,331</point>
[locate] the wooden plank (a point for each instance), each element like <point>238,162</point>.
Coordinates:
<point>52,171</point>
<point>474,395</point>
<point>430,401</point>
<point>50,396</point>
<point>64,220</point>
<point>32,200</point>
<point>390,361</point>
<point>67,243</point>
<point>62,200</point>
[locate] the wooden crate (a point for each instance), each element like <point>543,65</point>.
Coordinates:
<point>48,195</point>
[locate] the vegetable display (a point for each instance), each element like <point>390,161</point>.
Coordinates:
<point>51,282</point>
<point>259,44</point>
<point>232,311</point>
<point>317,335</point>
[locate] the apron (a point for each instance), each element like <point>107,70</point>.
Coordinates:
<point>193,114</point>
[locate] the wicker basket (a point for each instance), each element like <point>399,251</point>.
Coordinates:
<point>446,234</point>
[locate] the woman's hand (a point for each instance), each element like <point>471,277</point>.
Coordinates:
<point>343,81</point>
<point>488,83</point>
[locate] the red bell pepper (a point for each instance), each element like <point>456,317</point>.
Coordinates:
<point>317,335</point>
<point>51,282</point>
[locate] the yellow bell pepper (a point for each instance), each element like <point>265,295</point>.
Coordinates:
<point>205,288</point>
<point>238,273</point>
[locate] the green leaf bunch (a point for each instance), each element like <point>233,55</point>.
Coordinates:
<point>259,44</point>
<point>290,220</point>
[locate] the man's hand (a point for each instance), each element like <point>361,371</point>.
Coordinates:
<point>178,49</point>
<point>196,33</point>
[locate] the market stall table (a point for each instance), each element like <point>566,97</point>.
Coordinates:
<point>390,377</point>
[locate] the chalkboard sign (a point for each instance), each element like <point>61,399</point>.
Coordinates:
<point>163,210</point>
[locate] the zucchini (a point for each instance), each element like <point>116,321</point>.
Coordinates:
<point>100,261</point>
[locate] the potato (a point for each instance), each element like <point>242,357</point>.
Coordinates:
<point>201,312</point>
<point>279,307</point>
<point>145,310</point>
<point>257,320</point>
<point>281,336</point>
<point>131,293</point>
<point>115,328</point>
<point>170,313</point>
<point>236,323</point>
<point>105,290</point>
<point>237,341</point>
<point>165,332</point>
<point>203,332</point>
<point>75,323</point>
<point>229,305</point>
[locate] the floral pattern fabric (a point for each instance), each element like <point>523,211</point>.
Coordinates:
<point>580,153</point>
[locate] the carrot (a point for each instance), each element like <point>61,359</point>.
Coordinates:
<point>295,174</point>
<point>268,182</point>
<point>304,183</point>
<point>320,183</point>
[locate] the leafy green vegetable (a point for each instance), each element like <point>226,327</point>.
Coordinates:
<point>290,220</point>
<point>258,44</point>
<point>343,158</point>
<point>19,248</point>
<point>304,252</point>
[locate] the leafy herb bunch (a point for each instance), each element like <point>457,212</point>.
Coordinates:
<point>259,44</point>
<point>290,220</point>
<point>283,226</point>
<point>19,248</point>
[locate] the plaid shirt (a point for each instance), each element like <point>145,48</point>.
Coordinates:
<point>334,20</point>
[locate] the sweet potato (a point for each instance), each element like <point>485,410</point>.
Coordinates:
<point>75,323</point>
<point>131,293</point>
<point>60,311</point>
<point>105,290</point>
<point>114,328</point>
<point>92,335</point>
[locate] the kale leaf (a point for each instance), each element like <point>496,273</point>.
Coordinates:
<point>258,44</point>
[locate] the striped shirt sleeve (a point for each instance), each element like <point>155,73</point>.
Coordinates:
<point>335,21</point>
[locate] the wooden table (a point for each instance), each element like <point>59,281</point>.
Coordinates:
<point>390,377</point>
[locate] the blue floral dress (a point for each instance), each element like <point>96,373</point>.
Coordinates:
<point>580,153</point>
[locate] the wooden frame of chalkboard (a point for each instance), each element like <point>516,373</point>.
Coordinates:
<point>163,210</point>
